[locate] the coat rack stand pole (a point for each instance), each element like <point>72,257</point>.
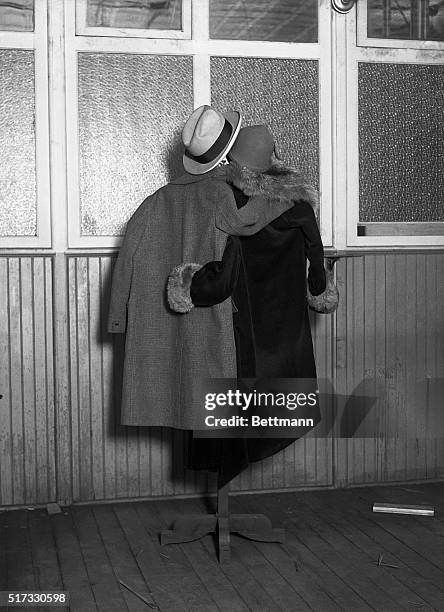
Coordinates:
<point>192,527</point>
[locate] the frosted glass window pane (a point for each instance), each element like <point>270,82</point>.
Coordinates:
<point>142,14</point>
<point>281,20</point>
<point>281,93</point>
<point>401,142</point>
<point>17,15</point>
<point>18,209</point>
<point>131,112</point>
<point>405,19</point>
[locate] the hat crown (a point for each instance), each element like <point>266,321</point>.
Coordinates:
<point>254,148</point>
<point>208,135</point>
<point>202,129</point>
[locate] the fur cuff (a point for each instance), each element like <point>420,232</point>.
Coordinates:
<point>326,302</point>
<point>179,286</point>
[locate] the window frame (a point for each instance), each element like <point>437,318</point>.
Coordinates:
<point>397,234</point>
<point>201,48</point>
<point>83,30</point>
<point>364,41</point>
<point>36,41</point>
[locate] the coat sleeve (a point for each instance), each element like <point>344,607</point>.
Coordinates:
<point>191,284</point>
<point>322,294</point>
<point>122,275</point>
<point>302,215</point>
<point>216,280</point>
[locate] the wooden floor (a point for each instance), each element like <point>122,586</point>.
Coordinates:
<point>329,561</point>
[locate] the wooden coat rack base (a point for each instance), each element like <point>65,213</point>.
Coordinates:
<point>195,526</point>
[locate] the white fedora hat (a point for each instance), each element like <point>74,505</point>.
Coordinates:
<point>208,135</point>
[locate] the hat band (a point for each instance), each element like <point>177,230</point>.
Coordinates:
<point>216,149</point>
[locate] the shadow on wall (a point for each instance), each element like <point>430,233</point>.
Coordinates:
<point>380,409</point>
<point>174,156</point>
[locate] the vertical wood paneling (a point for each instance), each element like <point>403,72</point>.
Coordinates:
<point>15,381</point>
<point>43,349</point>
<point>111,461</point>
<point>385,342</point>
<point>438,393</point>
<point>73,443</point>
<point>84,363</point>
<point>313,454</point>
<point>28,374</point>
<point>381,378</point>
<point>27,440</point>
<point>97,434</point>
<point>108,384</point>
<point>5,400</point>
<point>373,354</point>
<point>390,346</point>
<point>57,324</point>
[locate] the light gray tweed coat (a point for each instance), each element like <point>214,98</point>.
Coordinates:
<point>168,355</point>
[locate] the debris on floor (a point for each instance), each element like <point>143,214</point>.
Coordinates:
<point>53,508</point>
<point>148,603</point>
<point>381,563</point>
<point>421,510</point>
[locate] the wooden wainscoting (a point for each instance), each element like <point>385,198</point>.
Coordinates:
<point>112,461</point>
<point>381,359</point>
<point>390,362</point>
<point>27,435</point>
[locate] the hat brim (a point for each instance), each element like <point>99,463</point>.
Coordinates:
<point>193,167</point>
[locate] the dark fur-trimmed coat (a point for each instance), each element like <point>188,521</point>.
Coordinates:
<point>278,184</point>
<point>265,276</point>
<point>284,182</point>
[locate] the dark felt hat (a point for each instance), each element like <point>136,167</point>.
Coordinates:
<point>254,148</point>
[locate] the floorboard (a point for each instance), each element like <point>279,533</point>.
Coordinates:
<point>146,550</point>
<point>310,587</point>
<point>249,588</point>
<point>356,545</point>
<point>190,587</point>
<point>19,564</point>
<point>315,568</point>
<point>203,562</point>
<point>44,554</point>
<point>401,538</point>
<point>418,535</point>
<point>72,565</point>
<point>3,566</point>
<point>277,586</point>
<point>328,562</point>
<point>122,560</point>
<point>420,576</point>
<point>252,568</point>
<point>106,589</point>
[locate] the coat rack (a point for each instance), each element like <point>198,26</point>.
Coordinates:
<point>192,527</point>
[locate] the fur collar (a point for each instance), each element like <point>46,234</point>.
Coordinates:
<point>278,183</point>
